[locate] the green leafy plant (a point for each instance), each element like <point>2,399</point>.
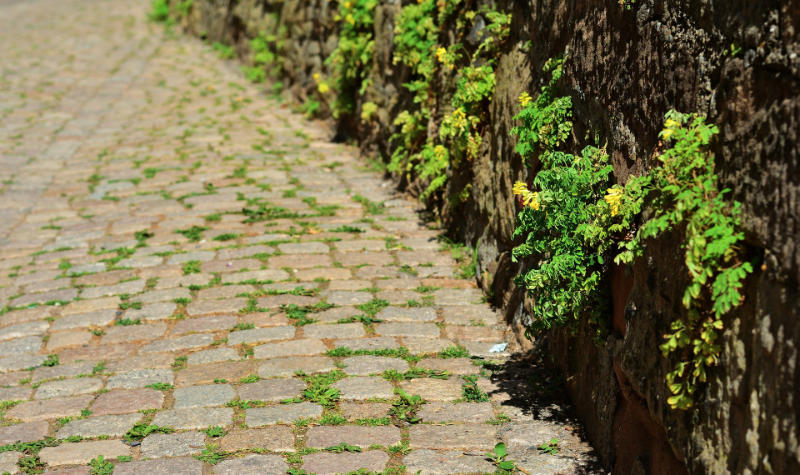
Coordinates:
<point>499,458</point>
<point>550,447</point>
<point>470,390</point>
<point>319,388</point>
<point>215,431</point>
<point>211,454</point>
<point>100,466</point>
<point>405,407</point>
<point>159,11</point>
<point>140,430</point>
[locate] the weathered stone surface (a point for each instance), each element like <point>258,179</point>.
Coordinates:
<point>289,366</point>
<point>204,324</point>
<point>362,436</point>
<point>172,445</point>
<point>113,426</point>
<point>124,401</point>
<point>139,378</point>
<point>68,387</point>
<point>83,452</point>
<point>434,389</point>
<point>364,365</point>
<point>207,373</point>
<point>25,432</point>
<point>252,465</point>
<point>212,356</point>
<point>178,343</point>
<point>403,314</point>
<point>287,413</point>
<point>458,412</point>
<point>428,330</point>
<point>256,335</point>
<point>50,408</point>
<point>174,466</point>
<point>446,462</point>
<point>8,462</point>
<point>194,419</point>
<point>364,387</point>
<point>290,348</point>
<point>272,390</point>
<point>203,396</point>
<point>465,436</point>
<point>323,463</point>
<point>276,438</point>
<point>341,330</point>
<point>452,365</point>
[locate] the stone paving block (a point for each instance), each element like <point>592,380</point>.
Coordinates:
<point>275,438</point>
<point>364,365</point>
<point>69,370</point>
<point>464,436</point>
<point>440,412</point>
<point>190,256</point>
<point>24,432</point>
<point>204,324</point>
<point>292,261</point>
<point>152,311</point>
<point>399,297</point>
<point>131,363</point>
<point>44,297</point>
<point>202,396</point>
<point>324,463</point>
<point>474,333</point>
<point>333,315</point>
<point>130,287</point>
<point>114,426</point>
<point>277,301</point>
<point>289,366</point>
<point>428,330</point>
<point>372,343</point>
<point>193,419</point>
<point>140,378</point>
<point>320,437</point>
<point>213,356</point>
<point>469,314</point>
<point>173,445</point>
<point>364,387</point>
<point>457,296</point>
<point>8,462</point>
<point>123,401</point>
<point>252,465</point>
<point>345,297</point>
<point>29,344</point>
<point>49,409</point>
<point>83,452</point>
<point>290,348</point>
<point>256,335</point>
<point>407,314</point>
<point>205,374</point>
<point>271,390</point>
<point>338,330</point>
<point>283,413</point>
<point>364,410</point>
<point>68,338</point>
<point>225,292</point>
<point>68,387</point>
<point>98,318</point>
<point>432,389</point>
<point>96,352</point>
<point>178,343</point>
<point>452,365</point>
<point>118,334</point>
<point>23,329</point>
<point>201,307</point>
<point>422,345</point>
<point>446,462</point>
<point>304,248</point>
<point>255,275</point>
<point>16,393</point>
<point>172,466</point>
<point>328,273</point>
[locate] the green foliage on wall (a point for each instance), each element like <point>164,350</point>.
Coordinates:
<point>572,224</point>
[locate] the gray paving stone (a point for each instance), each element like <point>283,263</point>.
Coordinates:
<point>23,330</point>
<point>304,248</point>
<point>178,343</point>
<point>98,318</point>
<point>256,275</point>
<point>325,463</point>
<point>290,348</point>
<point>320,437</point>
<point>364,365</point>
<point>204,324</point>
<point>15,393</point>
<point>286,413</point>
<point>17,362</point>
<point>202,396</point>
<point>113,426</point>
<point>24,432</point>
<point>432,389</point>
<point>173,445</point>
<point>30,344</point>
<point>372,343</point>
<point>364,387</point>
<point>428,330</point>
<point>213,356</point>
<point>68,387</point>
<point>464,436</point>
<point>256,335</point>
<point>446,462</point>
<point>289,366</point>
<point>193,419</point>
<point>272,390</point>
<point>407,314</point>
<point>152,311</point>
<point>8,462</point>
<point>172,466</point>
<point>252,465</point>
<point>338,330</point>
<point>140,378</point>
<point>83,452</point>
<point>279,438</point>
<point>440,412</point>
<point>344,297</point>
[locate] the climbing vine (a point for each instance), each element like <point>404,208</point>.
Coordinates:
<point>572,223</point>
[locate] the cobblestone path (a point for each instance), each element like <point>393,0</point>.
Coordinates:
<point>193,280</point>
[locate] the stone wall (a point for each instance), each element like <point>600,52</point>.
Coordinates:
<point>625,70</point>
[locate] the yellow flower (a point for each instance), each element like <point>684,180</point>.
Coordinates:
<point>441,54</point>
<point>613,198</point>
<point>349,19</point>
<point>524,99</point>
<point>440,153</point>
<point>323,87</point>
<point>316,77</point>
<point>529,198</point>
<point>459,119</point>
<point>519,188</point>
<point>347,4</point>
<point>669,128</point>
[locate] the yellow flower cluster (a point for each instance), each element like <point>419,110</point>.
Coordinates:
<point>440,153</point>
<point>529,198</point>
<point>613,198</point>
<point>441,54</point>
<point>525,99</point>
<point>322,86</point>
<point>669,128</point>
<point>459,119</point>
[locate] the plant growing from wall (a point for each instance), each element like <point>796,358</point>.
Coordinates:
<point>572,224</point>
<point>267,50</point>
<point>351,60</point>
